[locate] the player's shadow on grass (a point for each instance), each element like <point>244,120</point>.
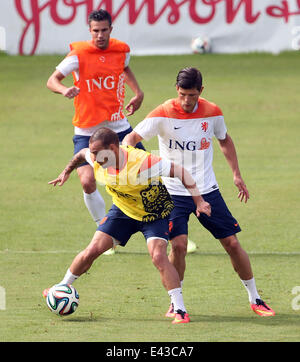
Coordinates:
<point>101,318</point>
<point>85,319</point>
<point>277,320</point>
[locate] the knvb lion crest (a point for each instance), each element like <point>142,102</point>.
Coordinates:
<point>204,126</point>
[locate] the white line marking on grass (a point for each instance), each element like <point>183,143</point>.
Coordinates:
<point>256,253</point>
<point>7,251</point>
<point>207,253</point>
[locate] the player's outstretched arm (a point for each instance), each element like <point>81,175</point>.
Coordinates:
<point>189,183</point>
<point>77,160</point>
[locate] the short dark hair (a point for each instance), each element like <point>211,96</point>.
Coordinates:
<point>100,15</point>
<point>189,78</point>
<point>106,136</point>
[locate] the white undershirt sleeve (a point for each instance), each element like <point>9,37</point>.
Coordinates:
<point>148,128</point>
<point>68,65</point>
<point>88,158</point>
<point>127,59</point>
<point>220,129</point>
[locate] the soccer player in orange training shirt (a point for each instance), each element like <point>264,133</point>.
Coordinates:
<point>100,69</point>
<point>185,127</point>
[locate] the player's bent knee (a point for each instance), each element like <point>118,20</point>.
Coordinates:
<point>159,260</point>
<point>87,180</point>
<point>231,245</point>
<point>179,246</point>
<point>92,252</point>
<point>89,255</point>
<point>158,252</point>
<point>88,186</point>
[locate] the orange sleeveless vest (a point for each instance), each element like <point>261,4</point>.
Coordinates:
<point>101,82</point>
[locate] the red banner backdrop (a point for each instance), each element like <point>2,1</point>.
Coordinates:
<point>166,14</point>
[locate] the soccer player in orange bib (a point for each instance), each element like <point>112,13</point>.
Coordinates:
<point>141,203</point>
<point>185,127</point>
<point>100,68</point>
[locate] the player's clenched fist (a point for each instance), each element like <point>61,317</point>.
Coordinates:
<point>71,92</point>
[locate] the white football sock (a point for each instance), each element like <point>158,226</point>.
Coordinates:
<point>177,299</point>
<point>96,205</point>
<point>251,289</point>
<point>69,278</point>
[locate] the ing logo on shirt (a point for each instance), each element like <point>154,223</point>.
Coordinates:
<point>183,145</point>
<point>100,83</point>
<point>190,145</point>
<point>157,202</point>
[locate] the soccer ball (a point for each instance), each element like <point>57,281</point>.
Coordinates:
<point>62,299</point>
<point>200,45</point>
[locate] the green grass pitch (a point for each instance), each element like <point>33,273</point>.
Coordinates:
<point>121,297</point>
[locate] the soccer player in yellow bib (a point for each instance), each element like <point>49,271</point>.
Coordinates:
<point>141,202</point>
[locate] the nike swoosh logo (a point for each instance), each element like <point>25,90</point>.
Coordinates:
<point>177,127</point>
